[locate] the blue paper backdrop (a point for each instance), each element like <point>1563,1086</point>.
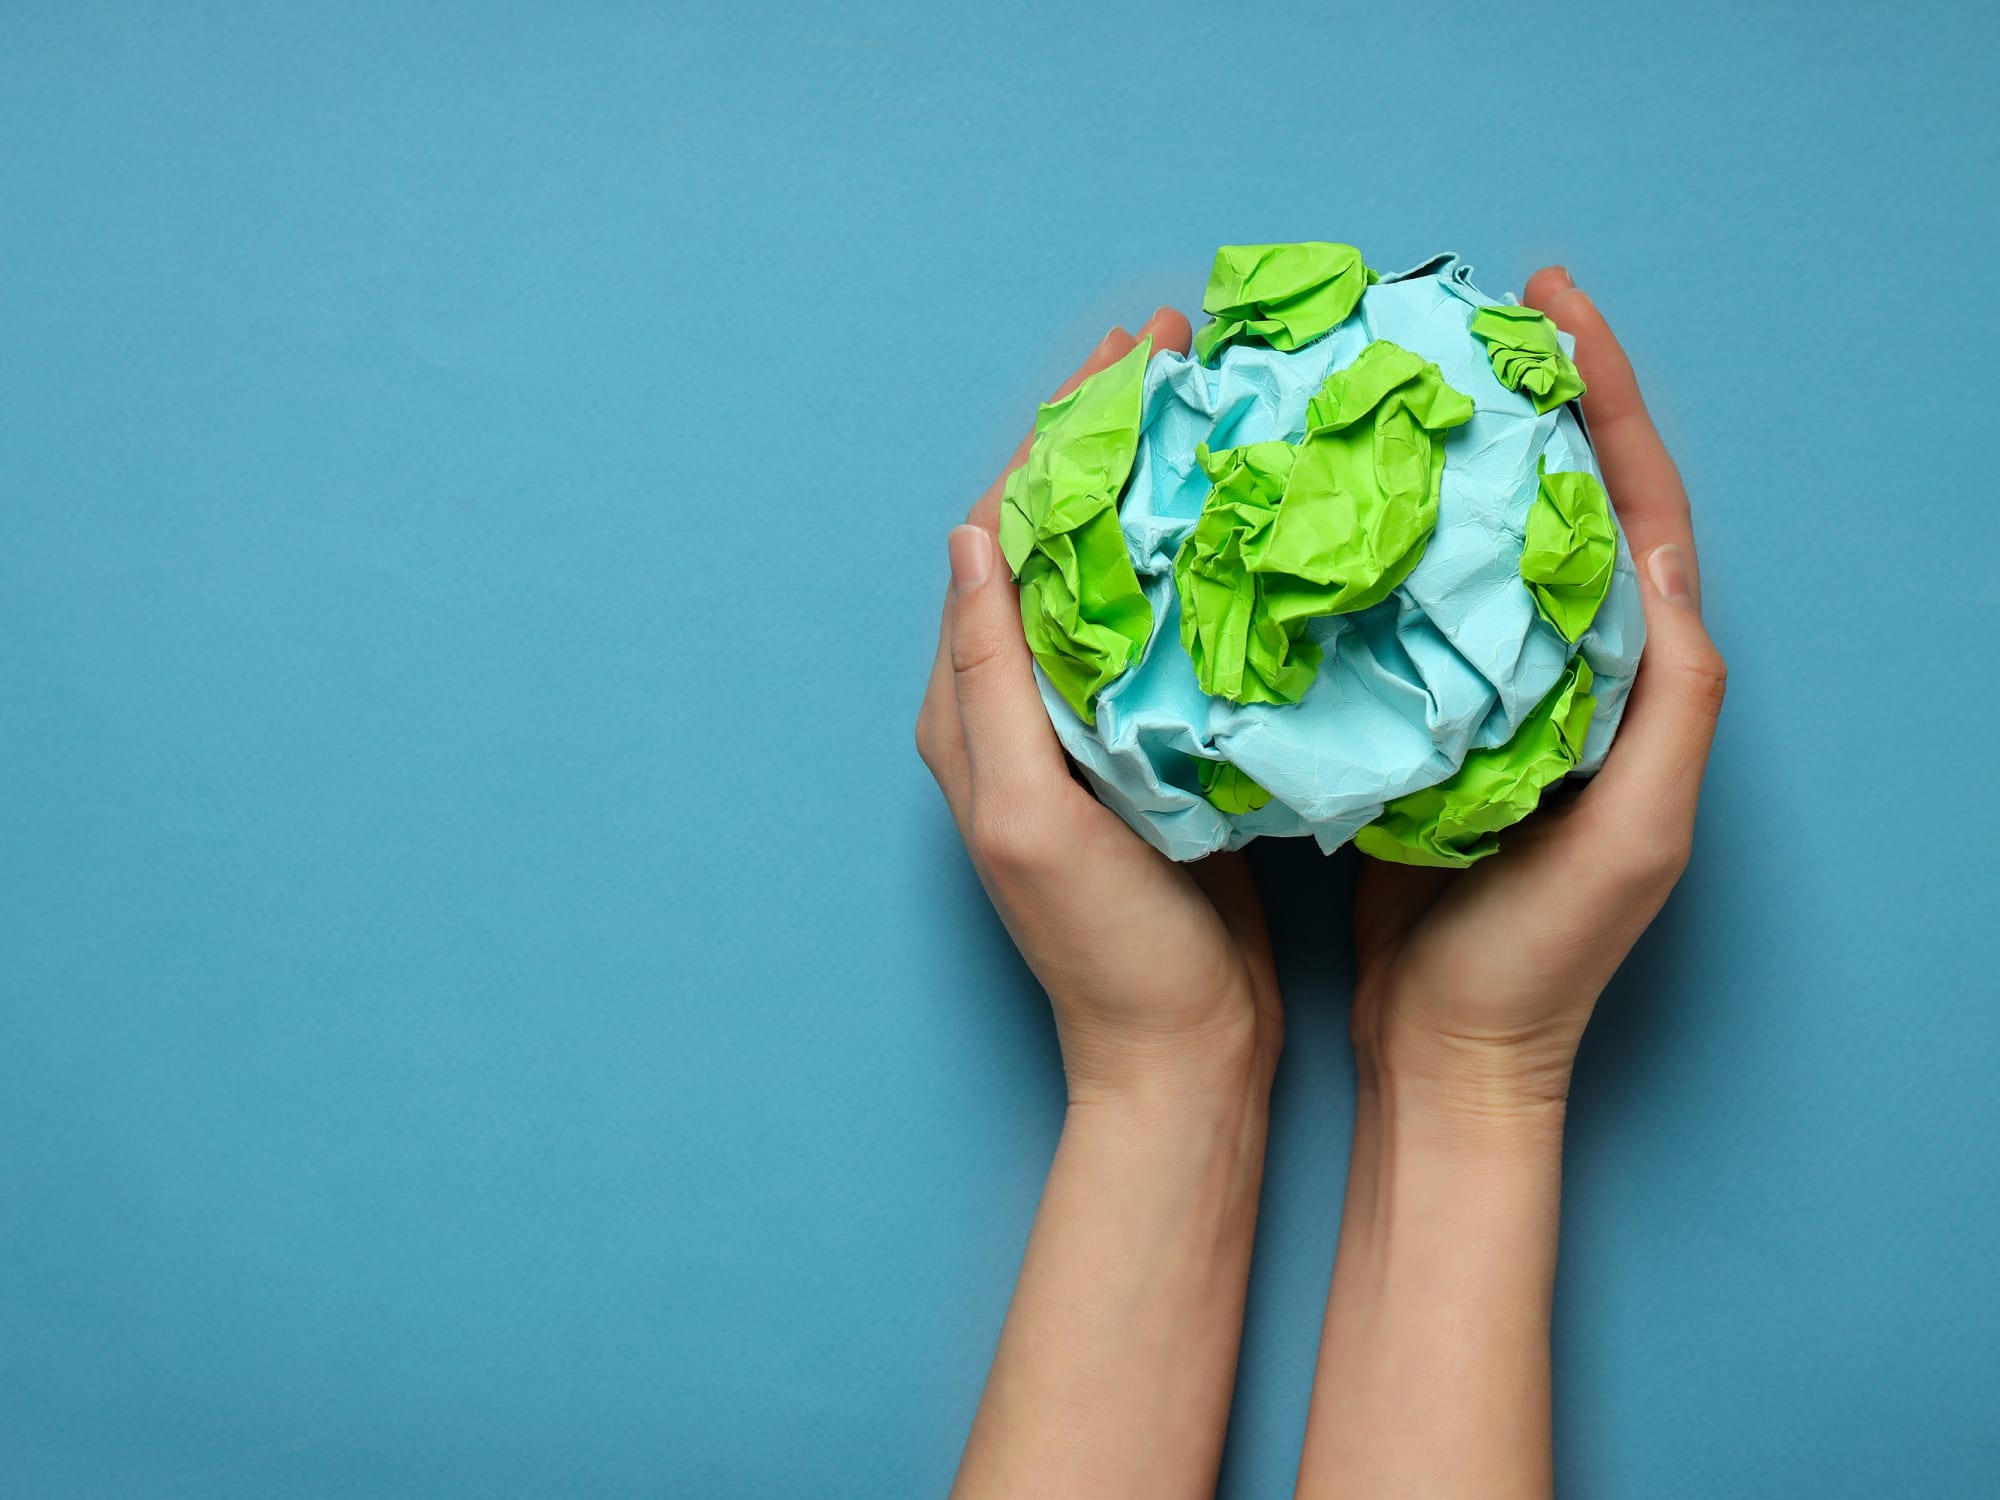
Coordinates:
<point>492,1004</point>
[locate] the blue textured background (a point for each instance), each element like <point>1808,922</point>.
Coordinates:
<point>492,1004</point>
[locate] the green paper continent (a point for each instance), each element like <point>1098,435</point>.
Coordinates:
<point>1084,614</point>
<point>1526,356</point>
<point>1241,648</point>
<point>1280,295</point>
<point>1571,545</point>
<point>1457,822</point>
<point>1326,526</point>
<point>1228,788</point>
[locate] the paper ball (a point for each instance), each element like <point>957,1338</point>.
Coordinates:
<point>1348,570</point>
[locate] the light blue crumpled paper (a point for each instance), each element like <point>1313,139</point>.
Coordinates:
<point>1455,659</point>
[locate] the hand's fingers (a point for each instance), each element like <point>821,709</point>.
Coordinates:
<point>1113,347</point>
<point>1013,758</point>
<point>940,736</point>
<point>986,512</point>
<point>1167,328</point>
<point>940,739</point>
<point>1645,486</point>
<point>1645,797</point>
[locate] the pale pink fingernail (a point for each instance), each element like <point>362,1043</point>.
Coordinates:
<point>1668,566</point>
<point>1562,274</point>
<point>971,549</point>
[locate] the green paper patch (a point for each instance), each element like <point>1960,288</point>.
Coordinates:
<point>1241,648</point>
<point>1280,295</point>
<point>1084,614</point>
<point>1229,789</point>
<point>1327,526</point>
<point>1521,343</point>
<point>1571,547</point>
<point>1457,822</point>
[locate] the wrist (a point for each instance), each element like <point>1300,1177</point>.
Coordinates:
<point>1461,1166</point>
<point>1225,1066</point>
<point>1190,1142</point>
<point>1494,1062</point>
<point>1466,1092</point>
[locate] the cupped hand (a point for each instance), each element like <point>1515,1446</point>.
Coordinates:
<point>1482,981</point>
<point>1160,974</point>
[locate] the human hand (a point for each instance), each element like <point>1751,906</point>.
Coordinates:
<point>1160,974</point>
<point>1478,984</point>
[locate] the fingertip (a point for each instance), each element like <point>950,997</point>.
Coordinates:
<point>971,552</point>
<point>1113,347</point>
<point>1571,309</point>
<point>1613,389</point>
<point>1546,285</point>
<point>1168,328</point>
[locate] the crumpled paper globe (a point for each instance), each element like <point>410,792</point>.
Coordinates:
<point>1348,569</point>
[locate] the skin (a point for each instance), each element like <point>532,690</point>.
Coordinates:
<point>1114,1368</point>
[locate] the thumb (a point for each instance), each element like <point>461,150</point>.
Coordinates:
<point>1012,753</point>
<point>1653,774</point>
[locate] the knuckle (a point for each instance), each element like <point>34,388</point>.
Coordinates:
<point>1653,865</point>
<point>928,743</point>
<point>976,646</point>
<point>1639,852</point>
<point>1704,676</point>
<point>1667,862</point>
<point>1009,841</point>
<point>939,742</point>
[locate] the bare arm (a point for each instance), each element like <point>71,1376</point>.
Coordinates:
<point>1114,1370</point>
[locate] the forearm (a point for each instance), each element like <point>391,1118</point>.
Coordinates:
<point>1115,1365</point>
<point>1433,1375</point>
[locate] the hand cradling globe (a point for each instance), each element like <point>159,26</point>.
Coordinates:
<point>1347,570</point>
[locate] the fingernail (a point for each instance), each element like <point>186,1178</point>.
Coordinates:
<point>1116,332</point>
<point>971,551</point>
<point>1562,274</point>
<point>1668,565</point>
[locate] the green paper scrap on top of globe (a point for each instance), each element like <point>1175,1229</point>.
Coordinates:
<point>1348,569</point>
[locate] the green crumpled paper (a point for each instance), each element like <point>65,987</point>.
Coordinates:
<point>1327,526</point>
<point>1456,822</point>
<point>1241,647</point>
<point>1227,787</point>
<point>1281,295</point>
<point>1521,343</point>
<point>1082,610</point>
<point>1571,545</point>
